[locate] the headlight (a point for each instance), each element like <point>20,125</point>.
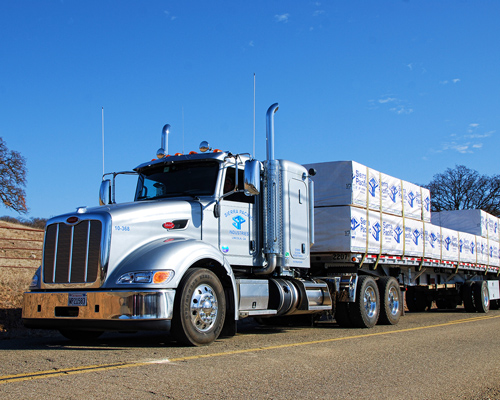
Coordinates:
<point>35,281</point>
<point>154,277</point>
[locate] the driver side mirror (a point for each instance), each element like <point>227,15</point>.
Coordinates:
<point>105,192</point>
<point>252,177</point>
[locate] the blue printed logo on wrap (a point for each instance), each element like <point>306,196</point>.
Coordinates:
<point>376,231</point>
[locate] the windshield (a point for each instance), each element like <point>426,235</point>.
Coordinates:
<point>178,179</point>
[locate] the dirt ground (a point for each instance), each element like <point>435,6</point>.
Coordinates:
<point>20,255</point>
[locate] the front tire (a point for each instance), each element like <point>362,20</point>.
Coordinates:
<point>200,308</point>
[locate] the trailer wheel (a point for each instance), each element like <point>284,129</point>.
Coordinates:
<point>80,336</point>
<point>481,296</point>
<point>199,308</point>
<point>391,306</point>
<point>468,296</point>
<point>342,315</point>
<point>364,312</point>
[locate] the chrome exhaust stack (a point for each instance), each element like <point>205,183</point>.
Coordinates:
<point>163,150</point>
<point>272,237</point>
<point>270,130</point>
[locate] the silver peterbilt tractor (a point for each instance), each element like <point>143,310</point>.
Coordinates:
<point>214,237</point>
<point>211,237</point>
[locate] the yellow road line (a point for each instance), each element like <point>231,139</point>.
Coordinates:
<point>113,366</point>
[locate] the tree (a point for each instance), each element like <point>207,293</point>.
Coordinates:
<point>12,179</point>
<point>462,188</point>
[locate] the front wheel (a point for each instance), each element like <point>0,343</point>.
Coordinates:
<point>200,308</point>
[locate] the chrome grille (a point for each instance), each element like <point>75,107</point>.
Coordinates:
<point>72,253</point>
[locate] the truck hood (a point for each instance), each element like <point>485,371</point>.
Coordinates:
<point>128,227</point>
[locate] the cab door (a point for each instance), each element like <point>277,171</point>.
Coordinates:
<point>237,224</point>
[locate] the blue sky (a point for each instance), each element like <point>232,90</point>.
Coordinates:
<point>409,88</point>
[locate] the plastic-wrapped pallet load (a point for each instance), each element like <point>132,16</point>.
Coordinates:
<point>476,222</point>
<point>432,235</point>
<point>482,250</point>
<point>392,195</point>
<point>467,247</point>
<point>416,202</point>
<point>358,230</point>
<point>352,229</point>
<point>343,183</point>
<point>449,244</point>
<point>494,254</point>
<point>414,238</point>
<point>340,183</point>
<point>393,235</point>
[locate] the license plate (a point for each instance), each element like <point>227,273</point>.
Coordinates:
<point>77,299</point>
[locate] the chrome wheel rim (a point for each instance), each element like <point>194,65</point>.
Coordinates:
<point>204,308</point>
<point>486,298</point>
<point>370,302</point>
<point>393,301</point>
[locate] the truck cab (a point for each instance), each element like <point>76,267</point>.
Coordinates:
<point>211,237</point>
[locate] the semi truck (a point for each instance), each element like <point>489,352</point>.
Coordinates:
<point>214,237</point>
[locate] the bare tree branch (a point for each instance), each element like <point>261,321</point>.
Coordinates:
<point>12,179</point>
<point>462,188</point>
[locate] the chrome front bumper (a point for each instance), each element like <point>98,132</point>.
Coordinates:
<point>116,310</point>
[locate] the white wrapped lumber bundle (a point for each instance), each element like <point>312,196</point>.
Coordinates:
<point>344,183</point>
<point>358,230</point>
<point>476,222</point>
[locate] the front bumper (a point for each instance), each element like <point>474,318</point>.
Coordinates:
<point>112,310</point>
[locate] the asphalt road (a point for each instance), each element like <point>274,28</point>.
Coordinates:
<point>433,355</point>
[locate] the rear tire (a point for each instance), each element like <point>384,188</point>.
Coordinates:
<point>481,296</point>
<point>391,304</point>
<point>199,308</point>
<point>365,311</point>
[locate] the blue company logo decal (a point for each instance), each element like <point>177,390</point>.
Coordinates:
<point>416,235</point>
<point>373,186</point>
<point>393,192</point>
<point>447,243</point>
<point>427,204</point>
<point>398,231</point>
<point>354,224</point>
<point>411,198</point>
<point>238,221</point>
<point>225,249</point>
<point>432,239</point>
<point>472,246</point>
<point>461,245</point>
<point>376,231</point>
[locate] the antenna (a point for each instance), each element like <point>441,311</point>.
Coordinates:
<point>253,114</point>
<point>102,128</point>
<point>182,129</point>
